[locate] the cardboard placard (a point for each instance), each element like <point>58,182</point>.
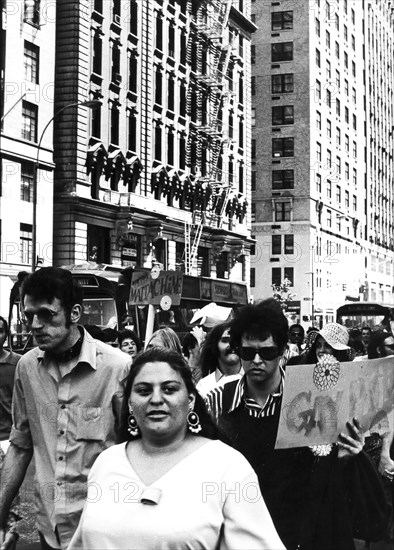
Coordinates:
<point>317,403</point>
<point>145,290</point>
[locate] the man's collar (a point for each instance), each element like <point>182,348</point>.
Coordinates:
<point>87,354</point>
<point>240,391</point>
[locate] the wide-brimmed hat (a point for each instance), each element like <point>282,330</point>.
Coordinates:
<point>335,335</point>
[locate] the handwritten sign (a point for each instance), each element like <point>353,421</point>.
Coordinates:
<point>317,402</point>
<point>145,290</point>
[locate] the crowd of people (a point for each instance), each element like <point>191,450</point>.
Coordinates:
<point>173,446</point>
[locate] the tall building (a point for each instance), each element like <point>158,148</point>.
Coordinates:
<point>27,62</point>
<point>322,180</point>
<point>162,171</point>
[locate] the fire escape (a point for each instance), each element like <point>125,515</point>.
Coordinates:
<point>208,52</point>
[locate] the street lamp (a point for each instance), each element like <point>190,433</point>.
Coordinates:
<point>94,104</point>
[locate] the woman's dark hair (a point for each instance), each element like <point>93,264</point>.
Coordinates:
<point>179,365</point>
<point>189,342</point>
<point>376,343</point>
<point>260,321</point>
<point>210,351</point>
<point>127,333</point>
<point>340,354</point>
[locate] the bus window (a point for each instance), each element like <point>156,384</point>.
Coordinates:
<point>100,312</point>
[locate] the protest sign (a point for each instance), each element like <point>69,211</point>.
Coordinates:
<point>146,290</point>
<point>319,399</point>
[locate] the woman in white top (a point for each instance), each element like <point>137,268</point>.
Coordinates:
<point>172,484</point>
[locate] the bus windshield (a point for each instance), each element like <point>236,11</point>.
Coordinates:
<point>100,312</point>
<point>362,314</point>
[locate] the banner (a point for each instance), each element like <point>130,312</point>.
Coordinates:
<point>147,290</point>
<point>319,399</point>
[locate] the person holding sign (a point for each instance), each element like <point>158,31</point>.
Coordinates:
<point>319,497</point>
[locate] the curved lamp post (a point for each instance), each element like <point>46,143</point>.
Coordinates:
<point>94,104</point>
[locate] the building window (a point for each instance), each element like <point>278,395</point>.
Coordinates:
<point>116,10</point>
<point>338,136</point>
<point>337,50</point>
<point>170,92</point>
<point>182,152</point>
<point>114,125</point>
<point>158,86</point>
<point>347,199</point>
<point>328,40</point>
<point>283,179</point>
<point>329,189</point>
<point>97,53</point>
<point>133,72</point>
<point>282,211</point>
<point>336,16</point>
<point>346,115</point>
<point>170,148</point>
<point>26,239</point>
<point>328,98</point>
<point>353,69</point>
<point>276,276</point>
<point>353,42</point>
<point>289,275</point>
<point>283,147</point>
<point>283,114</point>
<point>329,158</point>
<point>289,244</point>
<point>171,41</point>
<point>345,33</point>
<point>27,181</point>
<point>338,223</point>
<point>354,122</point>
<point>338,165</point>
<point>96,123</point>
<point>32,12</point>
<point>132,132</point>
<point>159,32</point>
<point>253,85</point>
<point>354,95</point>
<point>317,26</point>
<point>318,120</point>
<point>252,277</point>
<point>353,16</point>
<point>354,149</point>
<point>346,60</point>
<point>116,77</point>
<point>318,90</point>
<point>254,178</point>
<point>328,70</point>
<point>337,79</point>
<point>157,135</point>
<point>31,62</point>
<point>329,218</point>
<point>318,183</point>
<point>29,121</point>
<point>338,107</point>
<point>282,83</point>
<point>347,171</point>
<point>318,152</point>
<point>281,20</point>
<point>282,51</point>
<point>98,6</point>
<point>317,57</point>
<point>276,241</point>
<point>329,128</point>
<point>133,17</point>
<point>253,54</point>
<point>346,87</point>
<point>338,194</point>
<point>253,212</point>
<point>354,177</point>
<point>354,203</point>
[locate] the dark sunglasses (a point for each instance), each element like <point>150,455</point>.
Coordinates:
<point>267,354</point>
<point>44,315</point>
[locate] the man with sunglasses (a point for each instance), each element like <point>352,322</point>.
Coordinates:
<point>66,406</point>
<point>304,490</point>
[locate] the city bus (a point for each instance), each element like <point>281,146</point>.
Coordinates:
<point>359,314</point>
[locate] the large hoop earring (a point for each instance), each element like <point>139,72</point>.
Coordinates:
<point>193,422</point>
<point>132,425</point>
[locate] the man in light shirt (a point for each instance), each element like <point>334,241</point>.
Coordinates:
<point>219,362</point>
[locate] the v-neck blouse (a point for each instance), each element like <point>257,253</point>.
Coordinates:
<point>209,500</point>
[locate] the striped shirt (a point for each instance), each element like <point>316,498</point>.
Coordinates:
<point>214,400</point>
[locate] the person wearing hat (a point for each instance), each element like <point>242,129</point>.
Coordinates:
<point>332,339</point>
